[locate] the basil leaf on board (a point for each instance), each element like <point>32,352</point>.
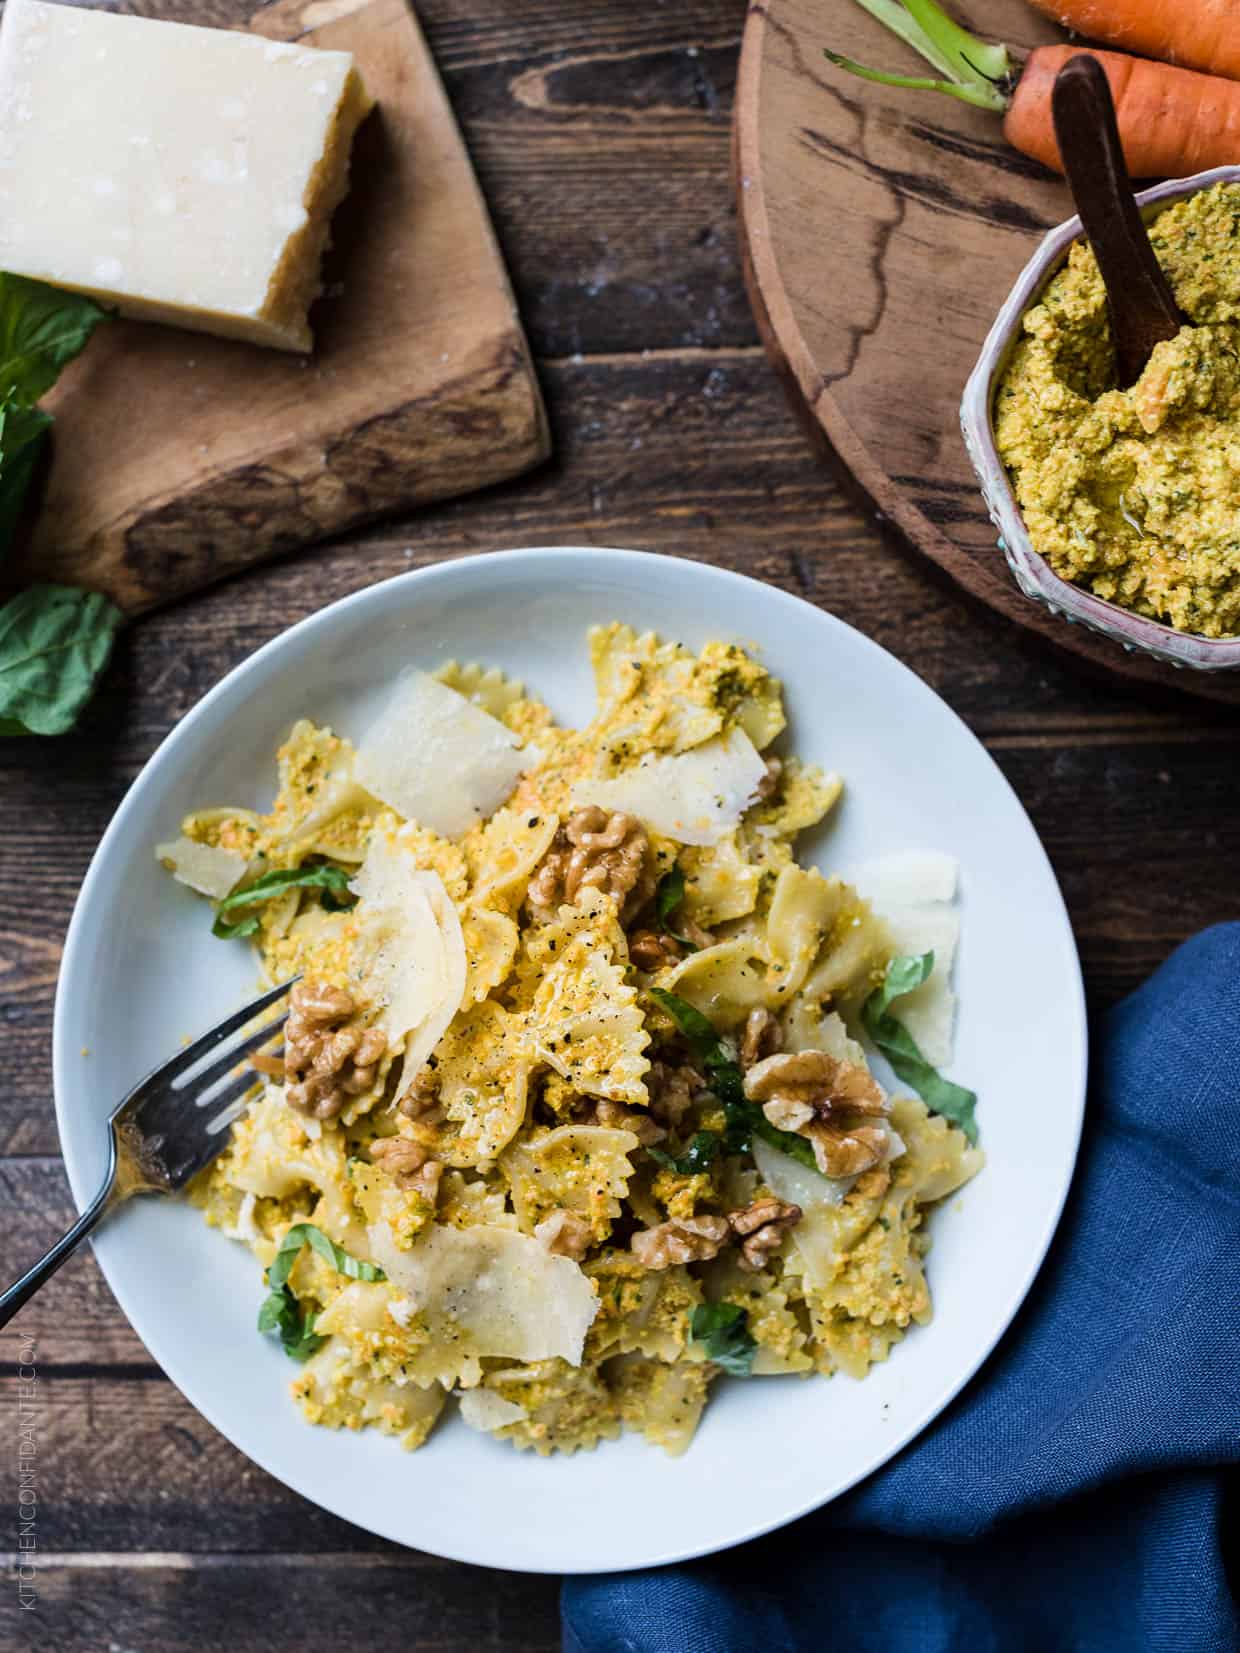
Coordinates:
<point>723,1330</point>
<point>897,1044</point>
<point>281,1312</point>
<point>42,329</point>
<point>333,881</point>
<point>23,434</point>
<point>54,644</point>
<point>743,1119</point>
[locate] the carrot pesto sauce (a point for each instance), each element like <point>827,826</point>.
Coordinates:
<point>1135,494</point>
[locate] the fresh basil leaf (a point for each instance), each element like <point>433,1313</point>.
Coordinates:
<point>716,1058</point>
<point>700,1154</point>
<point>743,1119</point>
<point>723,1330</point>
<point>281,1311</point>
<point>54,644</point>
<point>333,881</point>
<point>669,893</point>
<point>897,1044</point>
<point>42,329</point>
<point>307,1234</point>
<point>23,434</point>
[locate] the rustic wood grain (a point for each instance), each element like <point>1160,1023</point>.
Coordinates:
<point>882,230</point>
<point>600,133</point>
<point>179,458</point>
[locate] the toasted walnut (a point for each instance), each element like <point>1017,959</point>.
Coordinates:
<point>409,1165</point>
<point>328,1055</point>
<point>762,1038</point>
<point>422,1097</point>
<point>593,850</point>
<point>601,1110</point>
<point>672,1087</point>
<point>564,1233</point>
<point>682,1240</point>
<point>651,950</point>
<point>828,1102</point>
<point>762,1227</point>
<point>768,786</point>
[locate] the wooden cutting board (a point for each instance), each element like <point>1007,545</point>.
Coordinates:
<point>180,458</point>
<point>881,231</point>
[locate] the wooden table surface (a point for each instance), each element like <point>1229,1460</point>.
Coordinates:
<point>600,131</point>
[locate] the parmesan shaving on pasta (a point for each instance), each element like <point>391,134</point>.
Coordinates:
<point>436,758</point>
<point>914,893</point>
<point>483,1409</point>
<point>206,868</point>
<point>694,797</point>
<point>411,949</point>
<point>494,1290</point>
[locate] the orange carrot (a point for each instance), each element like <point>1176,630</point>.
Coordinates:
<point>1172,121</point>
<point>1197,34</point>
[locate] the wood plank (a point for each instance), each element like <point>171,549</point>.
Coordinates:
<point>255,1604</point>
<point>177,458</point>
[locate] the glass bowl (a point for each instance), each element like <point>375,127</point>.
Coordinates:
<point>1033,574</point>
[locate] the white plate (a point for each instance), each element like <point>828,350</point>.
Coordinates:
<point>141,970</point>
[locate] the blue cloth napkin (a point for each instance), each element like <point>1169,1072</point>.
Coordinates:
<point>1073,1496</point>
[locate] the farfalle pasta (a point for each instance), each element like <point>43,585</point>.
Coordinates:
<point>577,1050</point>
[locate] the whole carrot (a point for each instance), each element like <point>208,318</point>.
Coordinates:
<point>1196,34</point>
<point>1172,121</point>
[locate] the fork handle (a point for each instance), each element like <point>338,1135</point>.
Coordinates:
<point>16,1295</point>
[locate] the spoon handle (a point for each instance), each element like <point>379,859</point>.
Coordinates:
<point>1142,306</point>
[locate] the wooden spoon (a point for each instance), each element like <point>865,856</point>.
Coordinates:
<point>1142,306</point>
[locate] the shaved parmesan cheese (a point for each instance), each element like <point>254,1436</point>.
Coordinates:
<point>436,758</point>
<point>910,878</point>
<point>203,867</point>
<point>491,1291</point>
<point>485,1410</point>
<point>789,1180</point>
<point>409,948</point>
<point>913,892</point>
<point>694,797</point>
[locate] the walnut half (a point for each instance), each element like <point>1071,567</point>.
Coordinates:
<point>328,1055</point>
<point>761,1228</point>
<point>593,850</point>
<point>837,1106</point>
<point>409,1165</point>
<point>682,1240</point>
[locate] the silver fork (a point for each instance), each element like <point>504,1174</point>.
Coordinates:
<point>166,1130</point>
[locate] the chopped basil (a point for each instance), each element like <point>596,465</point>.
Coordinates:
<point>897,1044</point>
<point>333,881</point>
<point>723,1330</point>
<point>701,1152</point>
<point>668,895</point>
<point>281,1312</point>
<point>743,1119</point>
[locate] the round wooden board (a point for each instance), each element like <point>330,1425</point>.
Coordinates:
<point>881,231</point>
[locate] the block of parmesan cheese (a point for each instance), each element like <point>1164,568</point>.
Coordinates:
<point>181,174</point>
